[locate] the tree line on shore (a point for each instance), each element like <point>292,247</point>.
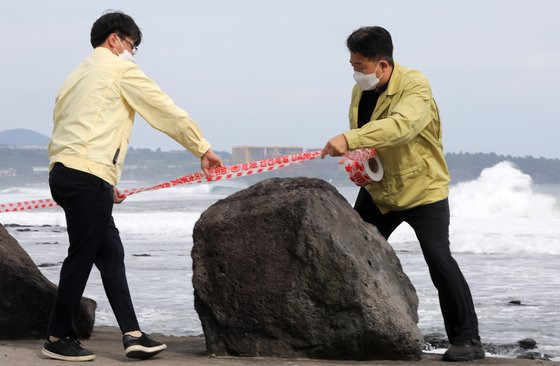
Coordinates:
<point>25,165</point>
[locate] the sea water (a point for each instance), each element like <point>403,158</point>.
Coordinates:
<point>504,232</point>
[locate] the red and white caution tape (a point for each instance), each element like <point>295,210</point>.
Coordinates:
<point>27,205</point>
<point>221,173</point>
<point>356,165</point>
<point>363,166</point>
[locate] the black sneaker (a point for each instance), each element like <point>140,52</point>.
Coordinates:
<point>464,351</point>
<point>67,349</point>
<point>142,347</point>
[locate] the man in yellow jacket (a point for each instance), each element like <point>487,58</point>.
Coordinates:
<point>93,117</point>
<point>393,110</point>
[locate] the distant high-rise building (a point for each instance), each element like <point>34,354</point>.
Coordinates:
<point>244,154</point>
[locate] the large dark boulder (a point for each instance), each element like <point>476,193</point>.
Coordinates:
<point>287,268</point>
<point>27,297</point>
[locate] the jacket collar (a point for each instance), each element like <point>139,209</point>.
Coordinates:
<point>392,89</point>
<point>395,79</point>
<point>385,97</point>
<point>102,52</point>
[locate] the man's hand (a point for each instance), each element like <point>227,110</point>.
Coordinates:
<point>118,197</point>
<point>209,161</point>
<point>336,146</point>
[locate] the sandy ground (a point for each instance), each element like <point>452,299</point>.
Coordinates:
<point>106,344</point>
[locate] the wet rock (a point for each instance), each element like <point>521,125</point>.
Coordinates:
<point>46,265</point>
<point>287,268</point>
<point>141,255</point>
<point>501,348</point>
<point>514,302</point>
<point>27,297</point>
<point>511,349</point>
<point>435,340</point>
<point>527,343</point>
<point>532,355</point>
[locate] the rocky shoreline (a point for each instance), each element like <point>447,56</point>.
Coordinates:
<point>523,349</point>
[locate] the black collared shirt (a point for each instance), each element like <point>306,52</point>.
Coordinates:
<point>367,104</point>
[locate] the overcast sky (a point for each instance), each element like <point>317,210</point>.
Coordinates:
<point>277,73</point>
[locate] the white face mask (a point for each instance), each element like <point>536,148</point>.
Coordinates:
<point>367,81</point>
<point>126,55</point>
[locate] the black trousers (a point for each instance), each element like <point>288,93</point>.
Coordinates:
<point>431,224</point>
<point>88,204</point>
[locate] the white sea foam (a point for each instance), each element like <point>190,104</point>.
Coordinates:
<point>51,216</point>
<point>17,194</point>
<point>193,191</point>
<point>137,219</point>
<point>499,212</point>
<point>501,191</point>
<point>155,224</point>
<point>173,193</point>
<point>501,235</point>
<point>171,224</point>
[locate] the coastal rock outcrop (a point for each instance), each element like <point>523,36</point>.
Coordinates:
<point>287,268</point>
<point>27,297</point>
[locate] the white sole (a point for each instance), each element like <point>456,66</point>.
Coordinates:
<point>56,356</point>
<point>139,351</point>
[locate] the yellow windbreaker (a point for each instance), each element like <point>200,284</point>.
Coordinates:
<point>94,114</point>
<point>405,129</point>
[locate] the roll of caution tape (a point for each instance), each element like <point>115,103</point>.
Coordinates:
<point>363,166</point>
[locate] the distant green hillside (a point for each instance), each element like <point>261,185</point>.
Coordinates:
<point>23,137</point>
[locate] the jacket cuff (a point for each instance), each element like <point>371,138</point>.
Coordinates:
<point>353,139</point>
<point>202,147</point>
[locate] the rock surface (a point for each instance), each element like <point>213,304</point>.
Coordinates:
<point>435,340</point>
<point>27,297</point>
<point>287,268</point>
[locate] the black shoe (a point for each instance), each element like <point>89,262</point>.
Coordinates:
<point>67,349</point>
<point>141,347</point>
<point>464,351</point>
